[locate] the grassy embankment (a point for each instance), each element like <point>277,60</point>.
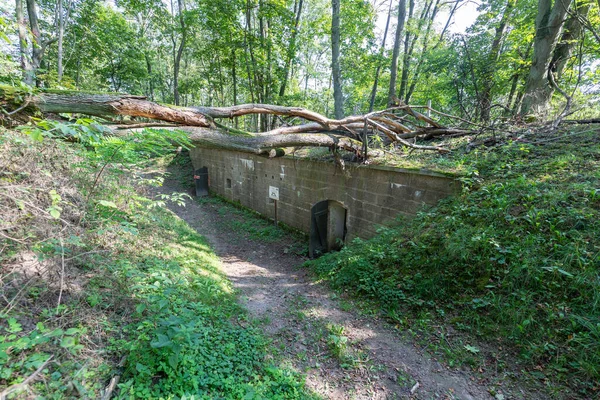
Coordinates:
<point>514,260</point>
<point>99,281</point>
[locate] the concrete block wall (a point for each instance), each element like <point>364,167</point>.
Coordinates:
<point>372,195</point>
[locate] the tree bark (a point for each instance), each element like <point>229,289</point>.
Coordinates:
<point>61,33</point>
<point>262,145</point>
<point>23,48</point>
<point>338,98</point>
<point>396,51</point>
<point>548,25</point>
<point>570,35</point>
<point>103,105</point>
<point>39,45</point>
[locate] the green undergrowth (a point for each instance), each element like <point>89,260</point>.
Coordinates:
<point>100,281</point>
<point>251,224</point>
<point>513,261</point>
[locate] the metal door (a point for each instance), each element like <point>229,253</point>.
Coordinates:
<point>201,178</point>
<point>318,229</point>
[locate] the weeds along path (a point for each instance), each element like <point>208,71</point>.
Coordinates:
<point>345,355</point>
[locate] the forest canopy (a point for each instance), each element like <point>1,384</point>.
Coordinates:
<point>519,57</point>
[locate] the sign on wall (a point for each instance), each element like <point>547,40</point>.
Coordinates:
<point>273,192</point>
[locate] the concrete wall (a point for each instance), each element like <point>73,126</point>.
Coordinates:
<point>373,195</point>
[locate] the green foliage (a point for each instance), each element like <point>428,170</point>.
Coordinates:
<point>140,284</point>
<point>251,51</point>
<point>22,351</point>
<point>246,221</point>
<point>338,343</point>
<point>188,327</point>
<point>514,258</point>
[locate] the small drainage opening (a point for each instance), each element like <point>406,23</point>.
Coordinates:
<point>228,183</point>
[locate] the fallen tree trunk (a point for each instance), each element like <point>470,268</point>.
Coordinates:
<point>350,133</point>
<point>263,145</point>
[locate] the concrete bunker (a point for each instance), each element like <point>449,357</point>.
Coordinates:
<point>371,194</point>
<point>327,227</point>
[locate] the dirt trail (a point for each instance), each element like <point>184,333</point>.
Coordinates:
<point>304,318</point>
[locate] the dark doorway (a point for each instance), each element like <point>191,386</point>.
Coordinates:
<point>327,227</point>
<point>201,179</point>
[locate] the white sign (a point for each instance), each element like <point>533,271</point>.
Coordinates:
<point>273,192</point>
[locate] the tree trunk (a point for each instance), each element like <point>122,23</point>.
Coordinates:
<point>407,55</point>
<point>39,45</point>
<point>379,62</point>
<point>37,48</point>
<point>338,98</point>
<point>570,35</point>
<point>177,60</point>
<point>396,52</point>
<point>415,76</point>
<point>262,145</point>
<point>291,54</point>
<point>150,77</point>
<point>234,77</point>
<point>548,25</point>
<point>61,32</point>
<point>23,48</point>
<point>492,59</point>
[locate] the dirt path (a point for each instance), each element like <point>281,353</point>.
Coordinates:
<point>308,323</point>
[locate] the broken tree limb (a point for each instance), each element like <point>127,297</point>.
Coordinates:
<point>430,133</point>
<point>392,135</point>
<point>582,121</point>
<point>394,124</point>
<point>247,109</point>
<point>419,116</point>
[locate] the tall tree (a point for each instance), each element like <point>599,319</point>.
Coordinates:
<point>407,50</point>
<point>548,25</point>
<point>338,98</point>
<point>569,37</point>
<point>492,59</point>
<point>178,50</point>
<point>430,18</point>
<point>39,44</point>
<point>379,62</point>
<point>291,53</point>
<point>23,48</point>
<point>396,52</point>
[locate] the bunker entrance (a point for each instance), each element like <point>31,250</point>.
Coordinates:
<point>327,227</point>
<point>201,179</point>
